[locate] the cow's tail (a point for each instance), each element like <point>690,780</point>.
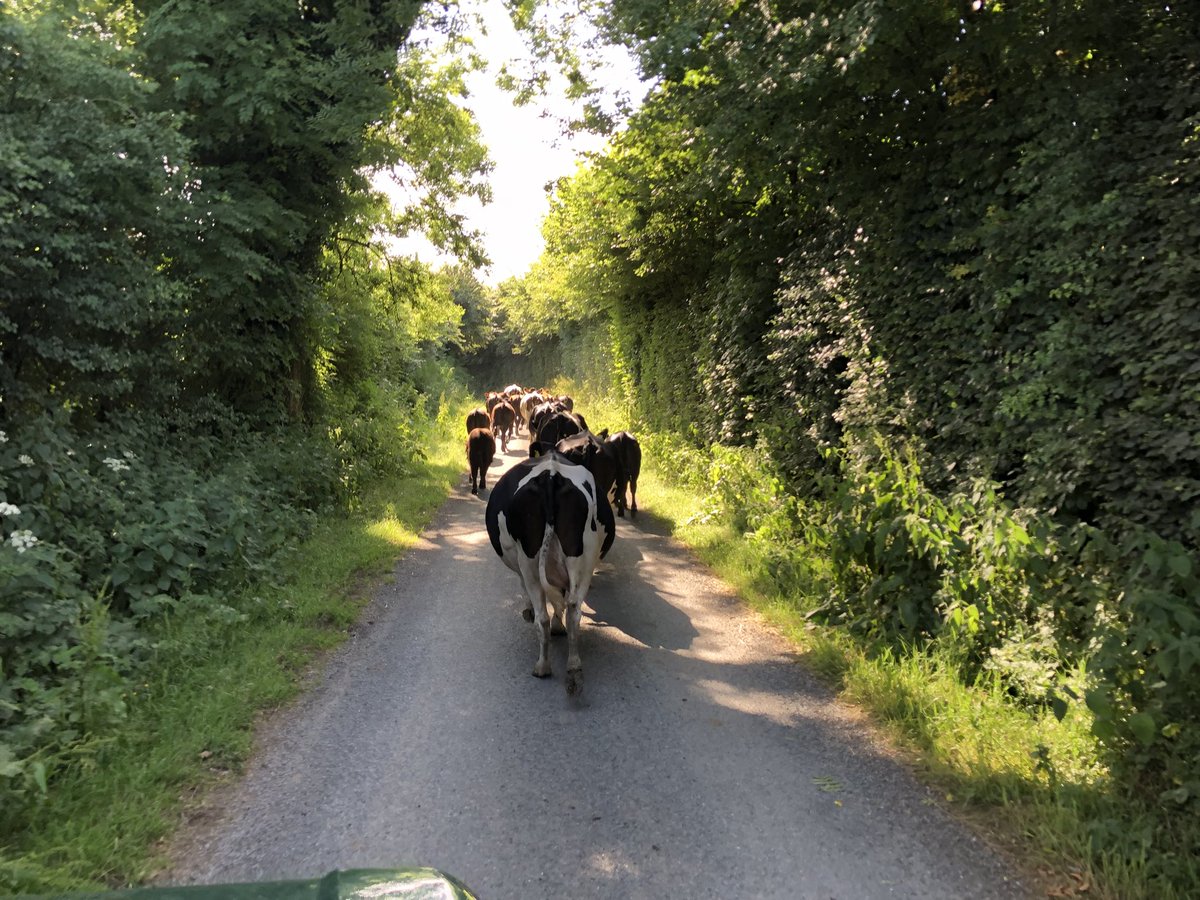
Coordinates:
<point>550,510</point>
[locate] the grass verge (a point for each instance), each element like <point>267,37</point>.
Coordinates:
<point>191,718</point>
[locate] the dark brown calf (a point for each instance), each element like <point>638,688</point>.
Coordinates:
<point>478,418</point>
<point>592,452</point>
<point>627,453</point>
<point>481,450</point>
<point>503,419</point>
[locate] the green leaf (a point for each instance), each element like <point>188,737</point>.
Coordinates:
<point>1142,726</point>
<point>1177,795</point>
<point>1104,729</point>
<point>1059,707</point>
<point>1180,564</point>
<point>1097,701</point>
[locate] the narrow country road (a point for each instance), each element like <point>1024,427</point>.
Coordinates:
<point>700,762</point>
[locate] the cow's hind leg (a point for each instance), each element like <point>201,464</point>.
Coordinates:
<point>580,582</point>
<point>558,614</point>
<point>541,621</point>
<point>574,663</point>
<point>633,496</point>
<point>541,668</point>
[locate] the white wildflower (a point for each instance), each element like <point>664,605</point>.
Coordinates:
<point>3,438</point>
<point>129,454</point>
<point>117,465</point>
<point>25,459</point>
<point>7,509</point>
<point>22,540</point>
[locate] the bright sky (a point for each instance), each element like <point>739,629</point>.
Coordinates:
<point>527,149</point>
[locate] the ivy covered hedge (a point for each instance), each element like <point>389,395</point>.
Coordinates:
<point>936,265</point>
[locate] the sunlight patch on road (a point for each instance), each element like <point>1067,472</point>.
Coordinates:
<point>743,700</point>
<point>611,864</point>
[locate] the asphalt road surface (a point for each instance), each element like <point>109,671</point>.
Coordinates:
<point>700,760</point>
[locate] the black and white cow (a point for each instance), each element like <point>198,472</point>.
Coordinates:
<point>545,523</point>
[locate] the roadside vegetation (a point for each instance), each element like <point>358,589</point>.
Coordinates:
<point>221,400</point>
<point>188,712</point>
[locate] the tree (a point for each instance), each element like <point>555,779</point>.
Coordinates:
<point>92,190</point>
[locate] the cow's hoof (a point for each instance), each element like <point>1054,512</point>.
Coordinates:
<point>574,681</point>
<point>527,614</point>
<point>541,670</point>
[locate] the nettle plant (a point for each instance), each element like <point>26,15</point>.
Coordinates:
<point>909,566</point>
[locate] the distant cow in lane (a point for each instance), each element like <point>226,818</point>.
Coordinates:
<point>541,413</point>
<point>478,418</point>
<point>525,407</point>
<point>627,454</point>
<point>504,418</point>
<point>481,450</point>
<point>544,521</point>
<point>557,426</point>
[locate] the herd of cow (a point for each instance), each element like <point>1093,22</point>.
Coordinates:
<point>550,517</point>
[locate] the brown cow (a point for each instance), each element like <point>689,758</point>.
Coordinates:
<point>540,414</point>
<point>503,420</point>
<point>590,451</point>
<point>481,450</point>
<point>478,418</point>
